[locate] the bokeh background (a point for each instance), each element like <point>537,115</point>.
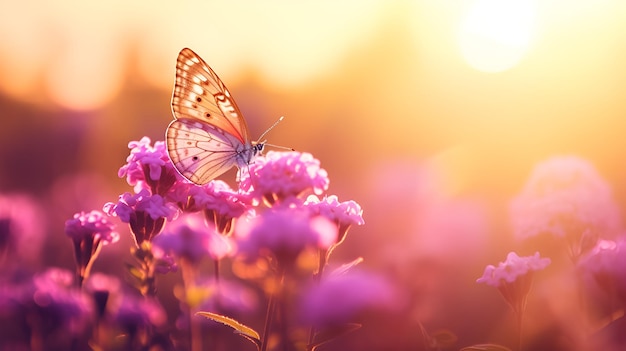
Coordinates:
<point>430,114</point>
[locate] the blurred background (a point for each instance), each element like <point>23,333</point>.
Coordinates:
<point>430,114</point>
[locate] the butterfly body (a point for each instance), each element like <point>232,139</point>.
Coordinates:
<point>208,135</point>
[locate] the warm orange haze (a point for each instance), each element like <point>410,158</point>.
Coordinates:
<point>464,129</point>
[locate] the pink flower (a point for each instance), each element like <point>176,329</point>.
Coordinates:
<point>340,299</point>
<point>513,277</point>
<point>21,226</point>
<point>89,231</point>
<point>134,315</point>
<point>285,234</point>
<point>284,175</point>
<point>91,226</point>
<point>58,304</point>
<point>566,197</point>
<point>184,195</point>
<point>149,167</point>
<point>146,214</point>
<point>221,205</point>
<point>606,263</point>
<point>190,238</point>
<point>102,289</point>
<point>343,214</point>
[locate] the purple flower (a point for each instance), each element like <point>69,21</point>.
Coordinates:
<point>89,231</point>
<point>102,288</point>
<point>606,263</point>
<point>343,214</point>
<point>566,197</point>
<point>184,195</point>
<point>59,304</point>
<point>219,203</point>
<point>513,277</point>
<point>221,206</point>
<point>285,234</point>
<point>190,238</point>
<point>21,226</point>
<point>91,226</point>
<point>146,214</point>
<point>284,175</point>
<point>340,299</point>
<point>134,314</point>
<point>149,167</point>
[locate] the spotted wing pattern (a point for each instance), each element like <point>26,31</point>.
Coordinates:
<point>209,134</point>
<point>200,94</point>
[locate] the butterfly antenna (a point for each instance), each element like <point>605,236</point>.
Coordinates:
<point>271,127</point>
<point>279,147</point>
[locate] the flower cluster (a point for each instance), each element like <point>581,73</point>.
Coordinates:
<point>606,263</point>
<point>89,231</point>
<point>513,277</point>
<point>283,176</point>
<point>145,213</point>
<point>275,216</point>
<point>149,167</point>
<point>566,197</point>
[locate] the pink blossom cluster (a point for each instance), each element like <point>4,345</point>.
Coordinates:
<point>606,263</point>
<point>566,197</point>
<point>279,216</point>
<point>512,268</point>
<point>273,193</point>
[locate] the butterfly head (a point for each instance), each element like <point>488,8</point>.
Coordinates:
<point>258,148</point>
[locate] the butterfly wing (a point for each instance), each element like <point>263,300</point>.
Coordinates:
<point>199,94</point>
<point>200,151</point>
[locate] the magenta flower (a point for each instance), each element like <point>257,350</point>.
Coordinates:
<point>58,304</point>
<point>219,203</point>
<point>606,263</point>
<point>221,206</point>
<point>566,197</point>
<point>134,315</point>
<point>21,226</point>
<point>284,175</point>
<point>146,214</point>
<point>149,167</point>
<point>191,239</point>
<point>341,299</point>
<point>89,231</point>
<point>102,289</point>
<point>285,234</point>
<point>343,214</point>
<point>513,277</point>
<point>184,195</point>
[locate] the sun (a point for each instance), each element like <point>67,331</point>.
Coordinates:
<point>495,35</point>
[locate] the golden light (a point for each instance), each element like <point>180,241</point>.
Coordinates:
<point>496,34</point>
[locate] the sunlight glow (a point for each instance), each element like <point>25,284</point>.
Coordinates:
<point>495,35</point>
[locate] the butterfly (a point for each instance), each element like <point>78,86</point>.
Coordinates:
<point>208,135</point>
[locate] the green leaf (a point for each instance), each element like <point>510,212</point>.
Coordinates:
<point>326,335</point>
<point>486,347</point>
<point>240,329</point>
